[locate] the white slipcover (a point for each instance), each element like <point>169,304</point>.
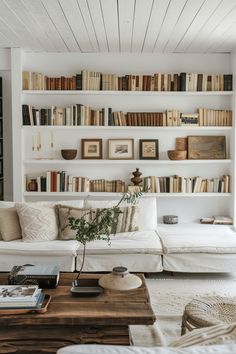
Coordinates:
<point>60,253</point>
<point>139,251</point>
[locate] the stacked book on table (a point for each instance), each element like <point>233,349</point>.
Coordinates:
<point>21,297</point>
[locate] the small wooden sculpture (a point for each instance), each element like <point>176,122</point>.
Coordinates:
<point>136,179</point>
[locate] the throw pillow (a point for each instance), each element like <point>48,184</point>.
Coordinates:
<point>125,223</point>
<point>9,224</point>
<point>38,222</point>
<point>218,334</point>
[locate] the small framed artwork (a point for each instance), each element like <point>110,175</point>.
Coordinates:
<point>121,149</point>
<point>91,148</point>
<point>148,149</point>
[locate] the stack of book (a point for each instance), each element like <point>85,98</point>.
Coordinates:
<point>21,296</point>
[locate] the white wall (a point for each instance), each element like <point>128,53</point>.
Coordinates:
<point>5,73</point>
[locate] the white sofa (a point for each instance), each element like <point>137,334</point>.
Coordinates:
<point>180,248</point>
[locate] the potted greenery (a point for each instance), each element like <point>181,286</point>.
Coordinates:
<point>101,226</point>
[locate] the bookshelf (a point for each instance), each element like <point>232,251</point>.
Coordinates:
<point>189,207</point>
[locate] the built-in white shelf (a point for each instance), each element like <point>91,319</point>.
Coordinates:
<point>123,162</point>
<point>104,194</point>
<point>130,93</point>
<point>117,127</point>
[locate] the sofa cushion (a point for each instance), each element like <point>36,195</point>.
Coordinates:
<point>38,222</point>
<point>9,224</point>
<point>60,253</point>
<point>126,243</point>
<point>124,222</point>
<point>197,238</point>
<point>112,349</point>
<point>146,213</point>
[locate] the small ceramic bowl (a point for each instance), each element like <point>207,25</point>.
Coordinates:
<point>69,154</point>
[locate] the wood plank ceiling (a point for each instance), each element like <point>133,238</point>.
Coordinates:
<point>119,25</point>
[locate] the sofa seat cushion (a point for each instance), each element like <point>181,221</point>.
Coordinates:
<point>126,242</point>
<point>197,238</point>
<point>60,253</point>
<point>110,349</point>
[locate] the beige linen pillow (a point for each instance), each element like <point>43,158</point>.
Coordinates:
<point>38,222</point>
<point>126,220</point>
<point>9,224</point>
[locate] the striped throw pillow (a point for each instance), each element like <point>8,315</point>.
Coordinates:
<point>126,220</point>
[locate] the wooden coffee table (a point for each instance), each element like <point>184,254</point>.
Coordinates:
<point>104,319</point>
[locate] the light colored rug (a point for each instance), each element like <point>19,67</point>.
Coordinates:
<point>169,295</point>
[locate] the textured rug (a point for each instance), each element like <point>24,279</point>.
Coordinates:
<point>170,295</point>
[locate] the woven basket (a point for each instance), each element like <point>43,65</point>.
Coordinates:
<point>204,312</point>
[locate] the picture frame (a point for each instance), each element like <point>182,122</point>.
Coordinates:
<point>206,147</point>
<point>148,149</point>
<point>91,148</point>
<point>121,149</point>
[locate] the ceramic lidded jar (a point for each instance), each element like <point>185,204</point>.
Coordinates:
<point>120,279</point>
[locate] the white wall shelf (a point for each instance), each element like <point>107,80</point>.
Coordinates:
<point>127,128</point>
<point>127,93</point>
<point>103,194</point>
<point>123,162</point>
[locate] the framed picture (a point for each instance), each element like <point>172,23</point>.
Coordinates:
<point>206,147</point>
<point>148,149</point>
<point>121,149</point>
<point>91,148</point>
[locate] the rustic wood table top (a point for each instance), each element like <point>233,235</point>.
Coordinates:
<point>109,308</point>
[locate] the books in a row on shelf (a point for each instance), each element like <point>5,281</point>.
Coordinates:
<point>177,184</point>
<point>60,181</point>
<point>79,114</point>
<point>93,80</point>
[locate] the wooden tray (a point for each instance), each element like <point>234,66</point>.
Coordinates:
<point>22,311</point>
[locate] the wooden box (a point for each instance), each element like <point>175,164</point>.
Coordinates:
<point>206,147</point>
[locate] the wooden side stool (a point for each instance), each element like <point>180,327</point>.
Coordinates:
<point>208,311</point>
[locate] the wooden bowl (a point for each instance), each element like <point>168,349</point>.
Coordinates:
<point>69,154</point>
<point>177,154</point>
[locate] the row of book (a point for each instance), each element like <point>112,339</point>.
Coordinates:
<point>79,114</point>
<point>60,181</point>
<point>177,184</point>
<point>93,80</point>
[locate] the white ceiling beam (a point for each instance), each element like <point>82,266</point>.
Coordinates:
<point>126,17</point>
<point>56,14</point>
<point>185,20</point>
<point>157,17</point>
<point>38,11</point>
<point>32,24</point>
<point>174,10</point>
<point>17,26</point>
<point>200,42</point>
<point>110,18</point>
<point>74,17</point>
<point>141,21</point>
<point>98,24</point>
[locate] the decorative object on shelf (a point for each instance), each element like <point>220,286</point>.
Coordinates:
<point>121,149</point>
<point>91,148</point>
<point>181,143</point>
<point>120,279</point>
<point>69,154</point>
<point>99,227</point>
<point>32,186</point>
<point>177,154</point>
<point>206,147</point>
<point>148,149</point>
<point>136,179</point>
<point>170,219</point>
<point>217,220</point>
